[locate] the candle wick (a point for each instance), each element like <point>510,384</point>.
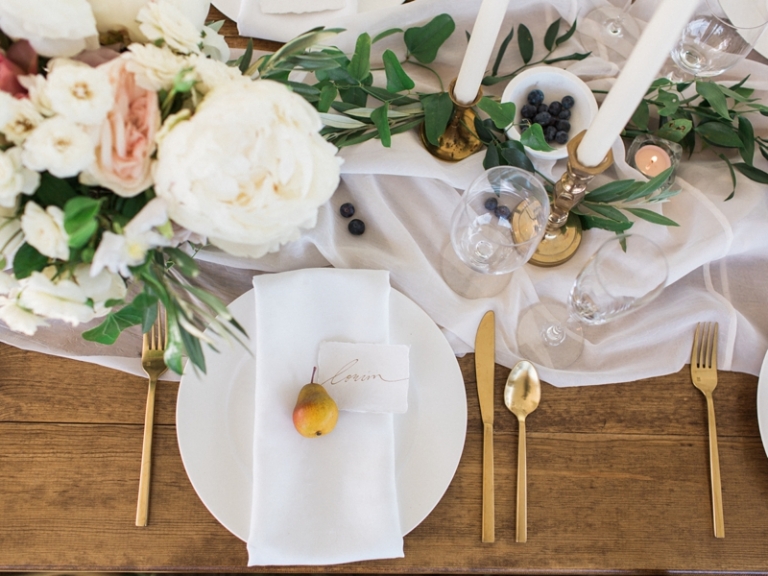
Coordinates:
<point>653,161</point>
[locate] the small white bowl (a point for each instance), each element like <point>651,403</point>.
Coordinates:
<point>555,83</point>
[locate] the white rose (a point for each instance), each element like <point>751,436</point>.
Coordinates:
<point>101,288</point>
<point>162,20</point>
<point>214,45</point>
<point>44,230</point>
<point>63,300</point>
<point>24,118</point>
<point>6,107</point>
<point>213,73</point>
<point>11,236</point>
<point>121,15</point>
<point>59,146</point>
<point>80,93</point>
<point>37,86</point>
<point>249,169</point>
<point>15,178</point>
<point>155,68</point>
<point>53,27</point>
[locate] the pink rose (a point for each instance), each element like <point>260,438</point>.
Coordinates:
<point>19,60</point>
<point>126,139</point>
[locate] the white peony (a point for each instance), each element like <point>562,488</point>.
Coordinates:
<point>24,118</point>
<point>15,178</point>
<point>121,14</point>
<point>59,146</point>
<point>53,27</point>
<point>11,236</point>
<point>116,252</point>
<point>155,68</point>
<point>101,288</point>
<point>249,169</point>
<point>44,230</point>
<point>80,93</point>
<point>162,21</point>
<point>63,300</point>
<point>212,73</point>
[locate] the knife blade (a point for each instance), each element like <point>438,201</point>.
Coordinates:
<point>485,360</point>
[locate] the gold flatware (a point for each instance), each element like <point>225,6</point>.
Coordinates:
<point>485,360</point>
<point>152,361</point>
<point>522,395</point>
<point>704,377</point>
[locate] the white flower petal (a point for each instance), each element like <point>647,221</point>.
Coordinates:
<point>44,230</point>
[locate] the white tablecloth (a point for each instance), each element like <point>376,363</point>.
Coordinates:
<point>718,255</point>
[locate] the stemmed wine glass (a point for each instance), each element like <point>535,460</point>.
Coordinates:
<point>610,32</point>
<point>627,272</point>
<point>495,229</point>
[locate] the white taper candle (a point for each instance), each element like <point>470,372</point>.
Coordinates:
<point>481,43</point>
<point>643,64</point>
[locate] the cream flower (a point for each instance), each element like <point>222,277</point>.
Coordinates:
<point>213,73</point>
<point>63,300</point>
<point>6,108</point>
<point>24,118</point>
<point>53,27</point>
<point>249,169</point>
<point>11,236</point>
<point>44,230</point>
<point>18,319</point>
<point>101,288</point>
<point>214,45</point>
<point>111,15</point>
<point>37,86</point>
<point>155,68</point>
<point>15,178</point>
<point>80,93</point>
<point>59,146</point>
<point>161,20</point>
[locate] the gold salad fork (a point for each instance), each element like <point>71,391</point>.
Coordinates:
<point>152,350</point>
<point>704,377</point>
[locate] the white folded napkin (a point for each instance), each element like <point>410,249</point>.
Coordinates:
<point>299,6</point>
<point>329,499</point>
<point>253,21</point>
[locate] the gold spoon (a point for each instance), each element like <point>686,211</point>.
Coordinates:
<point>521,395</point>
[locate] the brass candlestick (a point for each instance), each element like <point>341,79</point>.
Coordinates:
<point>459,140</point>
<point>563,234</point>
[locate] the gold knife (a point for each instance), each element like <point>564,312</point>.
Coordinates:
<point>485,359</point>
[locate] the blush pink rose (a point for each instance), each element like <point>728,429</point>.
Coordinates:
<point>126,139</point>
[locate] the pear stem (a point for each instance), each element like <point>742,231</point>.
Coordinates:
<point>312,380</point>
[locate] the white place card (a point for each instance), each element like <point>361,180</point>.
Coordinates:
<point>300,6</point>
<point>365,377</point>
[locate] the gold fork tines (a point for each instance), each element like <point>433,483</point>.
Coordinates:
<point>704,377</point>
<point>153,348</point>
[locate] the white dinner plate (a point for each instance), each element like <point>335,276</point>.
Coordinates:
<point>231,8</point>
<point>214,420</point>
<point>762,402</point>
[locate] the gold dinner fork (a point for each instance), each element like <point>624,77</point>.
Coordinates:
<point>153,363</point>
<point>704,377</point>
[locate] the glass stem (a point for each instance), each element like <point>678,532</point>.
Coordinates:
<point>554,334</point>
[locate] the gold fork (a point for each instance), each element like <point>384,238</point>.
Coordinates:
<point>704,377</point>
<point>152,350</point>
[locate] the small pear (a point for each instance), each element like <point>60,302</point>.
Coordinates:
<point>315,413</point>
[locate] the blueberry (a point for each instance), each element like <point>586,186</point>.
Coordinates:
<point>563,126</point>
<point>491,204</point>
<point>356,227</point>
<point>553,121</point>
<point>567,102</point>
<point>555,108</point>
<point>565,114</point>
<point>535,97</point>
<point>347,209</point>
<point>543,108</point>
<point>503,212</point>
<point>528,111</point>
<point>561,137</point>
<point>542,118</point>
<point>549,133</point>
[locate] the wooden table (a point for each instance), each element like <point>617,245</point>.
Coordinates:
<point>618,481</point>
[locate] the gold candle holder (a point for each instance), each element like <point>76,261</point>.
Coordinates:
<point>459,140</point>
<point>563,234</point>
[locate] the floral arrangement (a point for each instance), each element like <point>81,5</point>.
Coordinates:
<point>122,153</point>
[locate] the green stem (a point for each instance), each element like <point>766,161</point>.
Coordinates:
<point>442,87</point>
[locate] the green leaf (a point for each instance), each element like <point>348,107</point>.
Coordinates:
<point>381,121</point>
<point>502,114</point>
<point>114,323</point>
<point>675,130</point>
<point>668,103</point>
<point>642,115</point>
<point>534,139</point>
<point>518,159</point>
<point>551,35</point>
<point>80,220</point>
<point>739,94</point>
<point>576,56</point>
<point>174,353</point>
<point>719,134</point>
<point>183,261</point>
<point>28,260</point>
<point>612,191</point>
<point>245,59</point>
<point>360,64</point>
<point>393,98</point>
<point>397,79</point>
<point>423,42</point>
<point>658,83</point>
<point>356,96</point>
<point>712,94</point>
<point>483,132</point>
<point>328,94</point>
<point>438,109</point>
<point>733,175</point>
<point>382,35</point>
<point>588,222</point>
<point>652,216</point>
<point>565,37</point>
<point>525,43</point>
<point>606,211</point>
<point>492,157</point>
<point>648,188</point>
<point>53,191</point>
<point>752,173</point>
<point>502,50</point>
<point>747,135</point>
<point>193,348</point>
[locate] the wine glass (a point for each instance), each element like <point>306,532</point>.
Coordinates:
<point>717,37</point>
<point>610,32</point>
<point>626,273</point>
<point>495,229</point>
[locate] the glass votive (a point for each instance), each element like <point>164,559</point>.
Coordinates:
<point>651,155</point>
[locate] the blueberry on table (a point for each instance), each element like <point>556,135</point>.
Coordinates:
<point>503,212</point>
<point>491,203</point>
<point>528,111</point>
<point>563,126</point>
<point>555,108</point>
<point>356,227</point>
<point>542,118</point>
<point>565,114</point>
<point>567,102</point>
<point>347,209</point>
<point>561,137</point>
<point>535,97</point>
<point>549,133</point>
<point>543,108</point>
